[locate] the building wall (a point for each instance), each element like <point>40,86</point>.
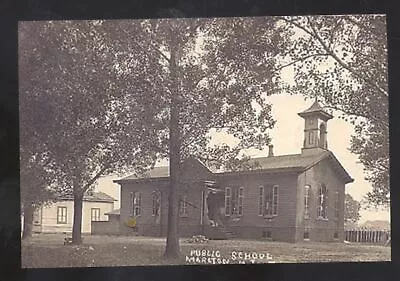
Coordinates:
<point>110,227</point>
<point>320,229</point>
<point>251,224</point>
<point>49,216</point>
<point>147,224</point>
<point>288,225</point>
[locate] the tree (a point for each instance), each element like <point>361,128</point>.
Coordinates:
<point>36,190</point>
<point>351,209</point>
<point>70,102</point>
<point>343,61</point>
<point>198,75</point>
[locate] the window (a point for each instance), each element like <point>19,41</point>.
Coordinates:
<point>234,201</point>
<point>240,203</point>
<point>62,215</point>
<point>37,216</point>
<point>310,137</point>
<point>183,204</point>
<point>268,200</point>
<point>322,202</point>
<point>322,135</point>
<point>336,205</point>
<point>261,202</point>
<point>136,203</point>
<point>306,234</point>
<point>156,196</point>
<point>267,234</point>
<point>307,194</point>
<point>228,209</point>
<point>95,214</point>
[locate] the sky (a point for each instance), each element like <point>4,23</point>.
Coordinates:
<point>287,138</point>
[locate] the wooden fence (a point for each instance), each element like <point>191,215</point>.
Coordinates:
<point>367,236</point>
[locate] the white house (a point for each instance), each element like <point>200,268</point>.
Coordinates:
<point>58,217</point>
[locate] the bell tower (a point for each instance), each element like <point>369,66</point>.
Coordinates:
<point>315,128</point>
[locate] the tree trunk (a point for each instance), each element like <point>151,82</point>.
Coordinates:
<point>172,247</point>
<point>77,223</point>
<point>29,211</point>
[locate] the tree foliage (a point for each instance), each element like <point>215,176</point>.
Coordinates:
<point>118,92</point>
<point>195,75</point>
<point>343,61</point>
<point>73,115</point>
<point>351,209</point>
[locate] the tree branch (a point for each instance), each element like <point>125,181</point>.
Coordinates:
<point>341,62</point>
<point>360,114</point>
<point>315,35</point>
<point>362,26</point>
<point>98,175</point>
<point>301,59</point>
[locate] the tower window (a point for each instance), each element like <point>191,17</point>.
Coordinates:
<point>322,135</point>
<point>310,137</point>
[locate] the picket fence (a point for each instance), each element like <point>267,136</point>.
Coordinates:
<point>367,236</point>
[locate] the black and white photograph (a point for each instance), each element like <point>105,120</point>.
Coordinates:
<point>187,141</point>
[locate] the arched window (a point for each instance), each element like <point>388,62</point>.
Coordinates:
<point>136,203</point>
<point>323,202</point>
<point>307,195</point>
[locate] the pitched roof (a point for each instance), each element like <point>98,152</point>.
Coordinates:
<point>162,172</point>
<point>288,161</point>
<point>156,172</point>
<point>93,197</point>
<point>315,108</point>
<point>116,212</point>
<point>99,196</point>
<point>294,162</point>
<point>284,163</point>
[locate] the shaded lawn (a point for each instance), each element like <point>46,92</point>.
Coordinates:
<point>49,251</point>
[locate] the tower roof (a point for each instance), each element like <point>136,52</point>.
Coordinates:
<point>317,110</point>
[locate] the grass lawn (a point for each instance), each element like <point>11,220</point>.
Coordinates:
<point>48,251</point>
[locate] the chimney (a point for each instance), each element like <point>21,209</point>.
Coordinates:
<point>270,150</point>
